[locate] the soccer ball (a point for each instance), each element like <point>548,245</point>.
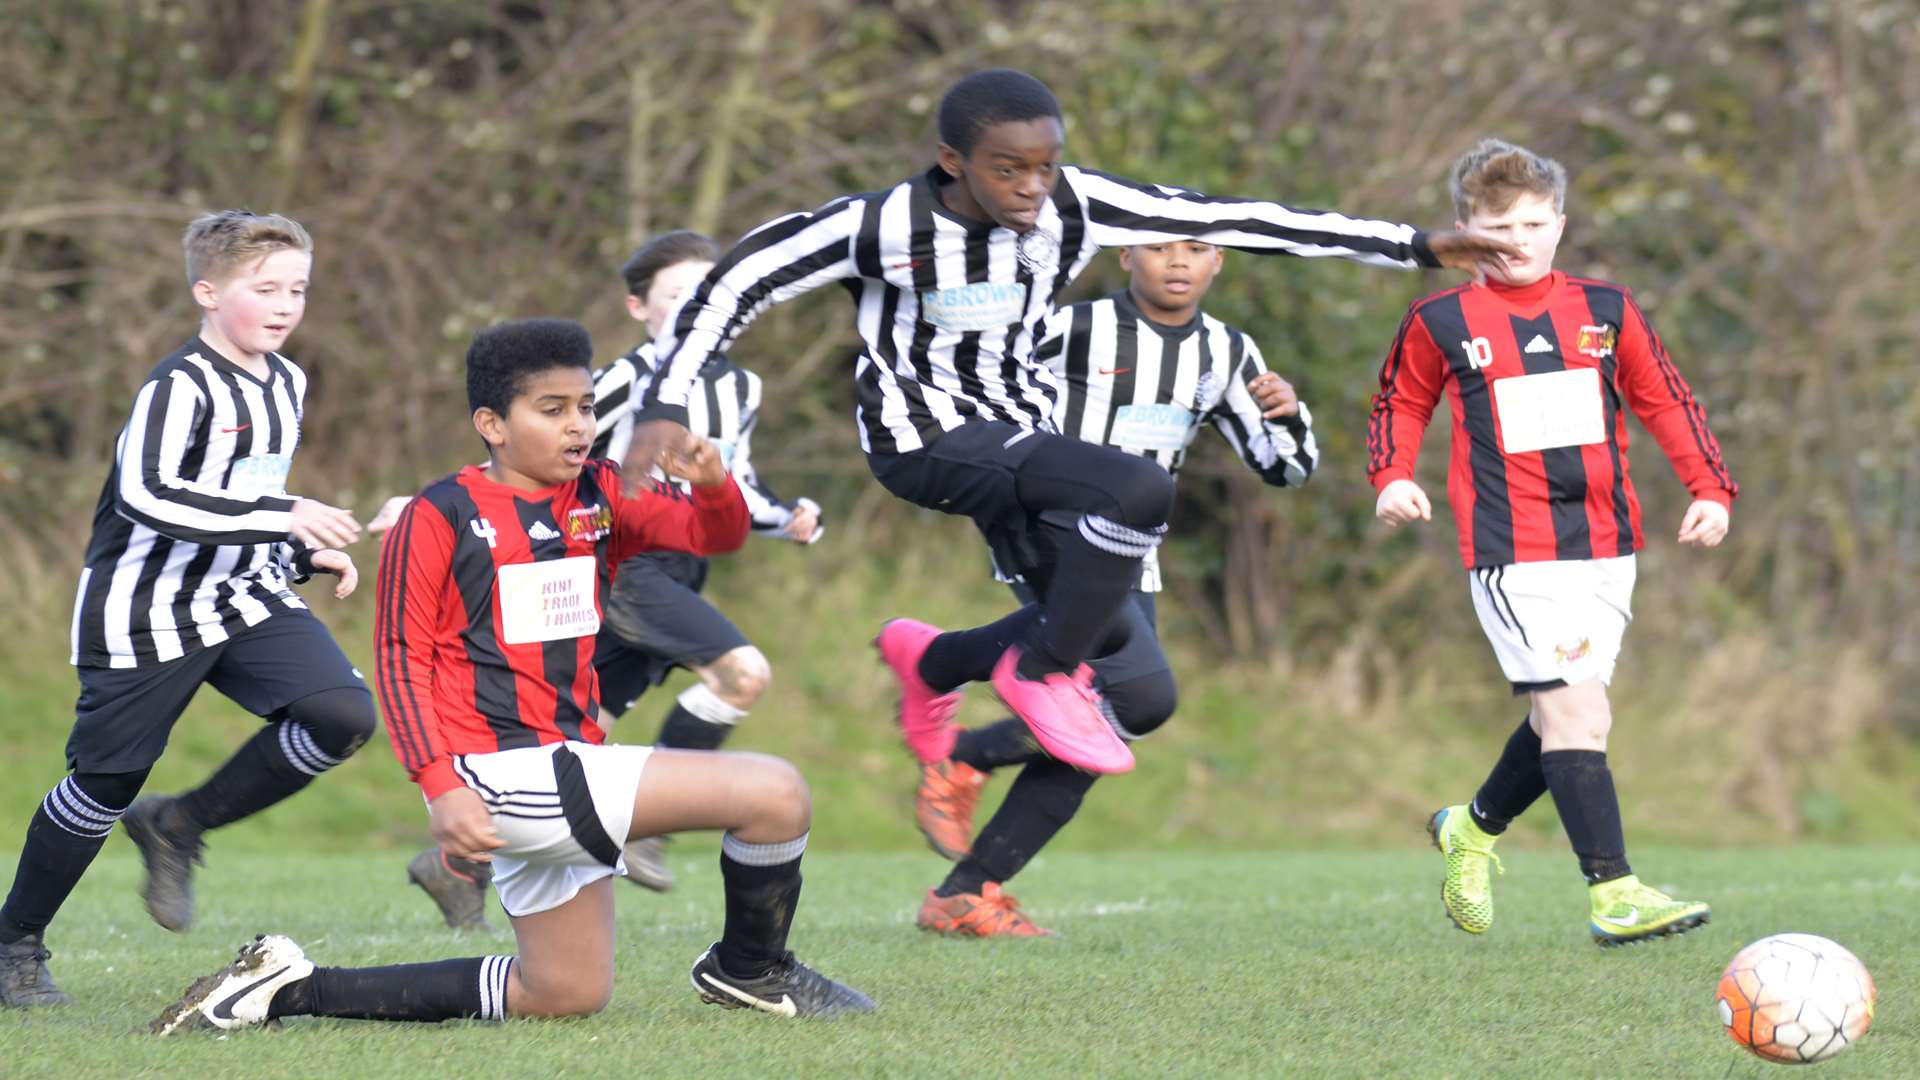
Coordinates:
<point>1796,998</point>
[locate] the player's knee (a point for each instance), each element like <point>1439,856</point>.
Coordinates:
<point>783,804</point>
<point>338,721</point>
<point>741,676</point>
<point>1142,491</point>
<point>1141,705</point>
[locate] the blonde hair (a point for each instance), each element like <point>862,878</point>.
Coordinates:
<point>1493,174</point>
<point>219,243</point>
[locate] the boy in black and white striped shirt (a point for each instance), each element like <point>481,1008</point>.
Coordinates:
<point>1143,371</point>
<point>187,581</point>
<point>951,272</point>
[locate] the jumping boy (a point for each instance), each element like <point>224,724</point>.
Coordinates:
<point>489,601</point>
<point>1143,371</point>
<point>656,619</point>
<point>1539,364</point>
<point>187,582</point>
<point>951,272</point>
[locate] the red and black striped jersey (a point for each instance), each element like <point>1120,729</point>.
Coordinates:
<point>1539,376</point>
<point>489,600</point>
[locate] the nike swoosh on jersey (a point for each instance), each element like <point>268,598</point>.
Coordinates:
<point>1115,370</point>
<point>783,1007</point>
<point>234,430</point>
<point>1632,919</point>
<point>223,1009</point>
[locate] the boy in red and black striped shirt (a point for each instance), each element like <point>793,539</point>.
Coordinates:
<point>1540,368</point>
<point>489,600</point>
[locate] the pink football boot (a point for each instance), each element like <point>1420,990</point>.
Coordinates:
<point>1063,712</point>
<point>926,718</point>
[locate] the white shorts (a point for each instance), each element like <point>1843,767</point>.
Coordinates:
<point>563,810</point>
<point>1555,624</point>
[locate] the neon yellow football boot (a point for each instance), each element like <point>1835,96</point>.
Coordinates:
<point>1467,891</point>
<point>1625,911</point>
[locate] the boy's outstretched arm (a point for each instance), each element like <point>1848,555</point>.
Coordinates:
<point>1125,212</point>
<point>778,261</point>
<point>659,517</point>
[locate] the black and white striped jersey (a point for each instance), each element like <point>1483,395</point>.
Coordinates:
<point>725,410</point>
<point>1147,388</point>
<point>948,307</point>
<point>190,538</point>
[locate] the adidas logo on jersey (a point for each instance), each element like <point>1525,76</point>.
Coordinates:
<point>1538,344</point>
<point>542,531</point>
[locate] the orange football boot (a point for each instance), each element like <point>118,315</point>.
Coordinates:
<point>992,913</point>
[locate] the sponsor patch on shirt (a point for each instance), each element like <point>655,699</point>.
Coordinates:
<point>260,474</point>
<point>1551,409</point>
<point>981,306</point>
<point>548,601</point>
<point>1151,427</point>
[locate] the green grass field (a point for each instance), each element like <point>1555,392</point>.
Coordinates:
<point>1171,964</point>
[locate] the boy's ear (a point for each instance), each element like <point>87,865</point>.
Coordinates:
<point>951,160</point>
<point>1126,259</point>
<point>491,426</point>
<point>637,308</point>
<point>206,294</point>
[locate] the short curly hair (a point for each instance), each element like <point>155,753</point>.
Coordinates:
<point>993,96</point>
<point>1493,174</point>
<point>502,358</point>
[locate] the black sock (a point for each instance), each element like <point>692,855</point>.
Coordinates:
<point>682,730</point>
<point>66,832</point>
<point>1514,784</point>
<point>1086,588</point>
<point>475,986</point>
<point>258,775</point>
<point>959,657</point>
<point>763,887</point>
<point>1043,798</point>
<point>1582,787</point>
<point>1004,742</point>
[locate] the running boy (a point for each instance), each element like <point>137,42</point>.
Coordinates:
<point>1540,364</point>
<point>951,272</point>
<point>1143,371</point>
<point>489,600</point>
<point>187,582</point>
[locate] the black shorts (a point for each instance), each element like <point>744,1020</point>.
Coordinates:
<point>654,621</point>
<point>125,715</point>
<point>1131,646</point>
<point>972,471</point>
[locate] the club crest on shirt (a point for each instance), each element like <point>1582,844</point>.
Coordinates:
<point>1597,341</point>
<point>589,523</point>
<point>1038,251</point>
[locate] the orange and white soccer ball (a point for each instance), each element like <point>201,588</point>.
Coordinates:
<point>1796,998</point>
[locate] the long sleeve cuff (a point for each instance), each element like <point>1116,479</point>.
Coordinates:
<point>1423,252</point>
<point>438,778</point>
<point>1389,474</point>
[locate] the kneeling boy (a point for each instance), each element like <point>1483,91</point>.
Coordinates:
<point>489,600</point>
